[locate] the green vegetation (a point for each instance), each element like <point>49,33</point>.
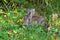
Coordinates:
<point>12,14</point>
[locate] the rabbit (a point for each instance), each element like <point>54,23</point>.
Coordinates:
<point>31,16</point>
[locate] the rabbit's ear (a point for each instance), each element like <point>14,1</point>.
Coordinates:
<point>30,11</point>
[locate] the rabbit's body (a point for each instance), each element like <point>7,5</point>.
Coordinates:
<point>31,17</point>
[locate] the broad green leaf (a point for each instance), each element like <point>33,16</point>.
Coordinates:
<point>5,1</point>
